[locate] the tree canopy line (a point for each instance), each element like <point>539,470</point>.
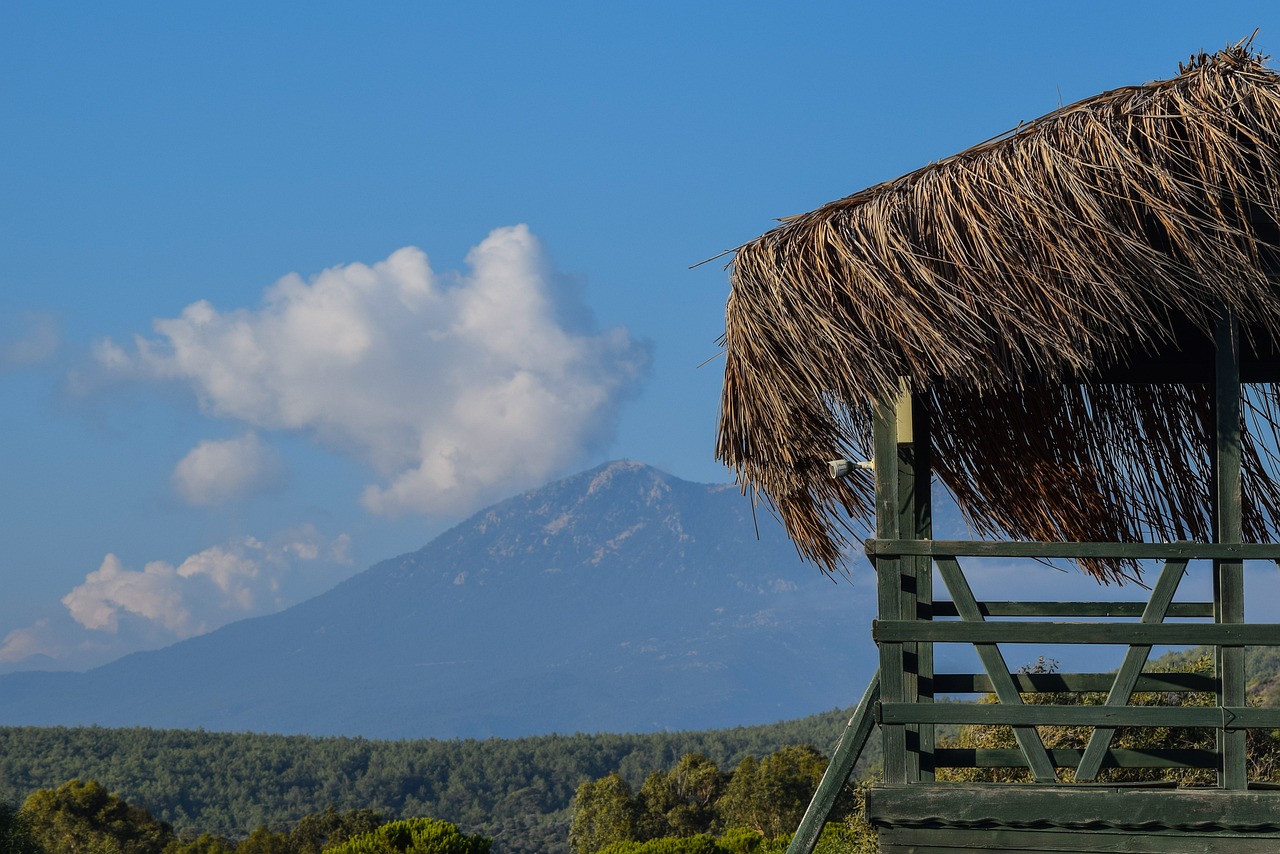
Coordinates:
<point>138,791</point>
<point>749,810</point>
<point>514,791</point>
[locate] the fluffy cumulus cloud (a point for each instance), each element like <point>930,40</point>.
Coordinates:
<point>218,471</point>
<point>111,590</point>
<point>454,388</point>
<point>223,583</point>
<point>118,609</point>
<point>208,589</point>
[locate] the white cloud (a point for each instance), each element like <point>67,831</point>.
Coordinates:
<point>25,643</point>
<point>455,389</point>
<point>218,471</point>
<point>222,583</point>
<point>35,340</point>
<point>111,590</point>
<point>117,610</point>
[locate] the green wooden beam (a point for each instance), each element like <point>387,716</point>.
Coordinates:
<point>1072,841</point>
<point>1137,809</point>
<point>1206,717</point>
<point>943,608</point>
<point>1044,683</point>
<point>1138,551</point>
<point>915,521</point>
<point>953,757</point>
<point>1023,631</point>
<point>889,581</point>
<point>1227,504</point>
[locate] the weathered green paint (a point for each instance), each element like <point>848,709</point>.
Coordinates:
<point>912,841</point>
<point>1228,527</point>
<point>1139,551</point>
<point>961,757</point>
<point>889,579</point>
<point>1020,631</point>
<point>943,608</point>
<point>915,813</point>
<point>909,603</point>
<point>1079,818</point>
<point>1208,717</point>
<point>915,520</point>
<point>1043,683</point>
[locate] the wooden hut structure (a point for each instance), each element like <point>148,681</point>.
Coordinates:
<point>1075,329</point>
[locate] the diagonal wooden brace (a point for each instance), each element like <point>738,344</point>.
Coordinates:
<point>1134,660</point>
<point>1028,738</point>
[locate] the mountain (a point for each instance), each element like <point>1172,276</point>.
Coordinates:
<point>621,599</point>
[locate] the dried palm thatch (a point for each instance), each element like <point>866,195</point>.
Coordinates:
<point>1011,285</point>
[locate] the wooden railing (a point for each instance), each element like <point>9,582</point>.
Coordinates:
<point>1227,634</point>
<point>901,697</point>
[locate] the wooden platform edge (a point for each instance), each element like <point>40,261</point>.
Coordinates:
<point>1098,808</point>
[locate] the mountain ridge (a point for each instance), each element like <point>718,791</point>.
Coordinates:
<point>618,599</point>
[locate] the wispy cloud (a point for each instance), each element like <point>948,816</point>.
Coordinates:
<point>118,609</point>
<point>455,389</point>
<point>28,339</point>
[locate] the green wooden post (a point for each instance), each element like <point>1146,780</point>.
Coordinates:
<point>889,586</point>
<point>908,601</point>
<point>1228,575</point>
<point>916,596</point>
<point>916,492</point>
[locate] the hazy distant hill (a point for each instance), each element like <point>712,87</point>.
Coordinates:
<point>618,600</point>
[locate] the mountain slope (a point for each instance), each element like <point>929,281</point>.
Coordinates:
<point>620,599</point>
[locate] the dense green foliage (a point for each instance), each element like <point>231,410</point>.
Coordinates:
<point>682,801</point>
<point>311,835</point>
<point>83,817</point>
<point>516,791</point>
<point>414,836</point>
<point>835,839</point>
<point>1261,666</point>
<point>604,812</point>
<point>15,832</point>
<point>770,796</point>
<point>696,808</point>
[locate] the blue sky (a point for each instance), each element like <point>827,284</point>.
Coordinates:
<point>286,289</point>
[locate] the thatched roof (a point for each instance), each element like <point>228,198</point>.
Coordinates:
<point>1014,285</point>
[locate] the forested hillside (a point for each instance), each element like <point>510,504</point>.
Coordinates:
<point>517,791</point>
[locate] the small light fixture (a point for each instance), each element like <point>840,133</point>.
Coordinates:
<point>842,468</point>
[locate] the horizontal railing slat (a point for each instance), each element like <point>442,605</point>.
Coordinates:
<point>1135,551</point>
<point>1149,634</point>
<point>954,757</point>
<point>1207,717</point>
<point>1041,683</point>
<point>945,608</point>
